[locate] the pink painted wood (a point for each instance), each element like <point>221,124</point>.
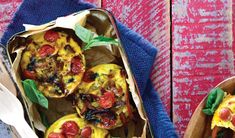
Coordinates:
<point>97,3</point>
<point>203,54</point>
<point>7,10</point>
<point>151,20</point>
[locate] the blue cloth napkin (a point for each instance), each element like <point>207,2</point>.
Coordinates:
<point>141,53</point>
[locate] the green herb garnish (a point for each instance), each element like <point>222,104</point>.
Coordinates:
<point>91,40</point>
<point>34,94</point>
<point>214,99</point>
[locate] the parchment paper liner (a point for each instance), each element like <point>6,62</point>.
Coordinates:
<point>103,23</point>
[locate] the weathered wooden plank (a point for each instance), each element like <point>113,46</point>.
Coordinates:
<point>95,2</point>
<point>115,7</point>
<point>202,53</point>
<point>7,10</point>
<point>150,19</point>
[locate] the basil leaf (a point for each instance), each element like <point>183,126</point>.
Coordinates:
<point>88,37</point>
<point>214,99</point>
<point>100,41</point>
<point>34,94</point>
<point>84,34</point>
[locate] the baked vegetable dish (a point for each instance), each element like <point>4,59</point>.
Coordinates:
<point>75,80</point>
<point>55,63</point>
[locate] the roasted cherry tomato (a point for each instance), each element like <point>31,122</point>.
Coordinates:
<point>69,136</point>
<point>70,128</point>
<point>76,65</point>
<point>107,122</point>
<point>29,74</point>
<point>89,76</point>
<point>107,100</point>
<point>225,114</point>
<point>51,36</point>
<point>46,50</point>
<point>86,132</point>
<point>233,120</point>
<point>56,135</point>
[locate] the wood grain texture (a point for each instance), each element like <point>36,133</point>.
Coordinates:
<point>152,21</point>
<point>200,124</point>
<point>97,3</point>
<point>203,54</point>
<point>7,10</point>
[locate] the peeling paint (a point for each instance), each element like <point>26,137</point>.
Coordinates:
<point>202,53</point>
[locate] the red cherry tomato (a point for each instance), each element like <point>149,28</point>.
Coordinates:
<point>46,50</point>
<point>225,114</point>
<point>70,128</point>
<point>86,132</point>
<point>89,76</point>
<point>51,36</point>
<point>76,65</point>
<point>107,122</point>
<point>233,120</point>
<point>69,136</point>
<point>55,135</point>
<point>29,74</point>
<point>107,100</point>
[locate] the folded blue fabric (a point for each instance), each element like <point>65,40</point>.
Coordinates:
<point>141,53</point>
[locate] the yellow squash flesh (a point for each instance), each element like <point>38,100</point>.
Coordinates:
<point>228,102</point>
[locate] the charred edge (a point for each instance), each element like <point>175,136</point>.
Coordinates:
<point>90,76</point>
<point>31,65</point>
<point>69,48</point>
<point>88,97</point>
<point>92,115</point>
